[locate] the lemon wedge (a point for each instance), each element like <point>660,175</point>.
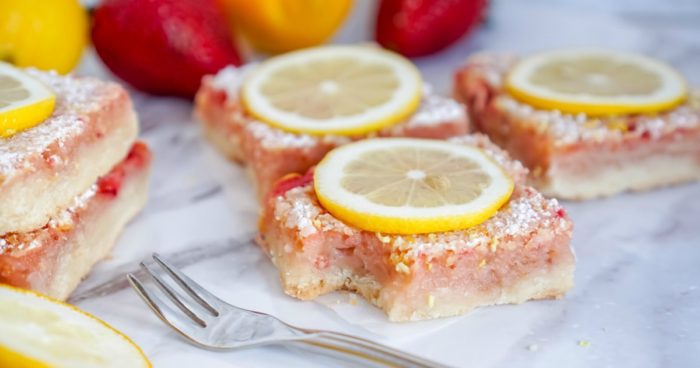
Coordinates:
<point>24,101</point>
<point>596,82</point>
<point>410,186</point>
<point>36,331</point>
<point>345,90</point>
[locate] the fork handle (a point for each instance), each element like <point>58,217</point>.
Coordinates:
<point>366,350</point>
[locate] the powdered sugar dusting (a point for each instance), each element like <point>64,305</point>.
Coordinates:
<point>434,110</point>
<point>230,79</point>
<point>74,97</point>
<point>527,212</point>
<point>524,214</point>
<point>297,211</point>
<point>571,128</point>
<point>271,137</point>
<point>514,168</point>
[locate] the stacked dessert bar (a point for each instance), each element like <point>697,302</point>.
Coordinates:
<point>523,252</point>
<point>69,185</point>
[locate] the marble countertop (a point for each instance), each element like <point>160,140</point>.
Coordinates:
<point>636,301</point>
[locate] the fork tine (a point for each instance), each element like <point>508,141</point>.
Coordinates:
<point>196,291</point>
<point>173,295</point>
<point>158,307</point>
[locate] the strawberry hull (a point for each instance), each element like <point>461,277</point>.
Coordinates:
<point>521,253</point>
<point>576,156</point>
<point>270,153</point>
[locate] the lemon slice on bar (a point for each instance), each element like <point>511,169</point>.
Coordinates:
<point>346,90</point>
<point>410,186</point>
<point>36,331</point>
<point>596,82</point>
<point>24,101</point>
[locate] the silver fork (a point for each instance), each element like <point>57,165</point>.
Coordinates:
<point>211,323</point>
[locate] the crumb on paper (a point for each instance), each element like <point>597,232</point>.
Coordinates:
<point>584,343</point>
<point>353,299</point>
<point>533,347</point>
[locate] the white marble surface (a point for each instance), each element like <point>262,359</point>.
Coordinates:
<point>637,294</point>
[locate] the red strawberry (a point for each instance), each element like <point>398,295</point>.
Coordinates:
<point>422,27</point>
<point>162,46</point>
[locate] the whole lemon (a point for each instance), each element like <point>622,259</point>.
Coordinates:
<point>46,34</point>
<point>283,25</point>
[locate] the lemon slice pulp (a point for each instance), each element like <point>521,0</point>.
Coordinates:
<point>596,82</point>
<point>24,101</point>
<point>36,331</point>
<point>410,186</point>
<point>345,90</point>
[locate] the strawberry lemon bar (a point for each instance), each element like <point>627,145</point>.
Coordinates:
<point>284,115</point>
<point>71,176</point>
<point>421,228</point>
<point>587,123</point>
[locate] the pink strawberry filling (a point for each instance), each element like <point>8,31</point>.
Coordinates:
<point>136,159</point>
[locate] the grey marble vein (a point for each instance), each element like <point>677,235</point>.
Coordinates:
<point>193,254</point>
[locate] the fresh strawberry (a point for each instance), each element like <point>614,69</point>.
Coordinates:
<point>422,27</point>
<point>162,46</point>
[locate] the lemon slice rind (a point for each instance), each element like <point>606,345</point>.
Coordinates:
<point>358,211</point>
<point>28,112</point>
<point>403,103</point>
<point>672,92</point>
<point>83,332</point>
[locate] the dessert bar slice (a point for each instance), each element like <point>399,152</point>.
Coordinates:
<point>523,252</point>
<point>271,153</point>
<point>44,168</point>
<point>575,156</point>
<point>53,258</point>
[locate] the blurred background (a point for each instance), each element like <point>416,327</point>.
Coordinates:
<point>163,47</point>
<point>160,49</point>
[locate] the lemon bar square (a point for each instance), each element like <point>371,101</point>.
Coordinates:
<point>52,259</point>
<point>270,153</point>
<point>575,156</point>
<point>43,168</point>
<point>521,253</point>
